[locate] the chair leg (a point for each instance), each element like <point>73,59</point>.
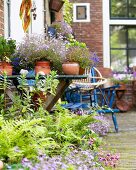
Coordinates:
<point>115,122</point>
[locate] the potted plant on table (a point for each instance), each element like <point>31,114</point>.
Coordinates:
<point>7,49</point>
<point>35,50</point>
<point>77,59</point>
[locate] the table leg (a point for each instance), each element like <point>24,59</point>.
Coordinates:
<point>51,99</point>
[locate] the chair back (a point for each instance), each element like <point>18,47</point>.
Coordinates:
<point>93,80</point>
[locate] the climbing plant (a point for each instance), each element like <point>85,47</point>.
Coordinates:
<point>68,12</point>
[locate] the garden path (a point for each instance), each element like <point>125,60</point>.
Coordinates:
<point>124,142</point>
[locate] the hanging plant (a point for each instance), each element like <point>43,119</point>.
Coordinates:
<point>25,10</point>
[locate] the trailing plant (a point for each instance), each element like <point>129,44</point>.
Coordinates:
<point>34,47</point>
<point>68,13</point>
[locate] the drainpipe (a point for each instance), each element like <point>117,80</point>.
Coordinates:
<point>9,21</point>
<point>46,16</point>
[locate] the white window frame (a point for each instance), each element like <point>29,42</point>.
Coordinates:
<point>87,5</point>
<point>106,30</point>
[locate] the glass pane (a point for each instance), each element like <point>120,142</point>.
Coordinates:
<point>132,8</point>
<point>132,58</point>
<point>81,12</point>
<point>132,37</point>
<point>118,60</point>
<point>118,36</point>
<point>119,8</point>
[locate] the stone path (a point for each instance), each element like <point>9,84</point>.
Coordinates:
<point>124,142</point>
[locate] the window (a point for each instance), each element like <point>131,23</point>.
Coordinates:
<point>81,12</point>
<point>123,9</point>
<point>122,46</point>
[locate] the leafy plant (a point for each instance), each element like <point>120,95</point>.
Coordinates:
<point>34,48</point>
<point>20,138</point>
<point>7,49</point>
<point>79,55</point>
<point>68,13</point>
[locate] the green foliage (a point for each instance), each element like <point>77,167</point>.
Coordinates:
<point>7,49</point>
<point>68,13</point>
<point>80,55</point>
<point>4,85</point>
<point>24,132</point>
<point>73,42</point>
<point>46,84</point>
<point>19,138</point>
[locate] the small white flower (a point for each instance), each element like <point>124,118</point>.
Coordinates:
<point>41,73</point>
<point>22,71</point>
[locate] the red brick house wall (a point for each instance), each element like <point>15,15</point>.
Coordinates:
<point>92,32</point>
<point>1,17</point>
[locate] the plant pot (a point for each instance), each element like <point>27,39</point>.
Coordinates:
<point>56,5</point>
<point>122,86</point>
<point>6,67</point>
<point>70,68</point>
<point>42,67</point>
<point>81,71</point>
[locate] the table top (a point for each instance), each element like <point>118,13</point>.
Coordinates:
<point>58,77</point>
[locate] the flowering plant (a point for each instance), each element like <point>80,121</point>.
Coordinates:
<point>7,49</point>
<point>80,55</point>
<point>121,78</point>
<point>34,48</point>
<point>63,29</point>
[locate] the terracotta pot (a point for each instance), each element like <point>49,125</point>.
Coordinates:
<point>42,67</point>
<point>70,68</point>
<point>122,86</point>
<point>56,5</point>
<point>123,105</point>
<point>6,67</point>
<point>81,71</point>
<point>42,63</point>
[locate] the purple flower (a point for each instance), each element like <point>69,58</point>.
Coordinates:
<point>95,58</point>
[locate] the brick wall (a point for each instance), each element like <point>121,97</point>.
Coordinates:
<point>1,17</point>
<point>92,32</point>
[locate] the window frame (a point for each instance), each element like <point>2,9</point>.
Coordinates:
<point>127,48</point>
<point>121,18</point>
<point>75,14</point>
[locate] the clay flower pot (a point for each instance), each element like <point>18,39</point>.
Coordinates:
<point>56,5</point>
<point>70,68</point>
<point>6,67</point>
<point>42,67</point>
<point>81,71</point>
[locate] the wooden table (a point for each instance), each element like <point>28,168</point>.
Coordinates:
<point>64,82</point>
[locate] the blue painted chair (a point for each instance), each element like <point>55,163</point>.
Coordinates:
<point>94,92</point>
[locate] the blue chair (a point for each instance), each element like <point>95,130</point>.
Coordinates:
<point>96,95</point>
